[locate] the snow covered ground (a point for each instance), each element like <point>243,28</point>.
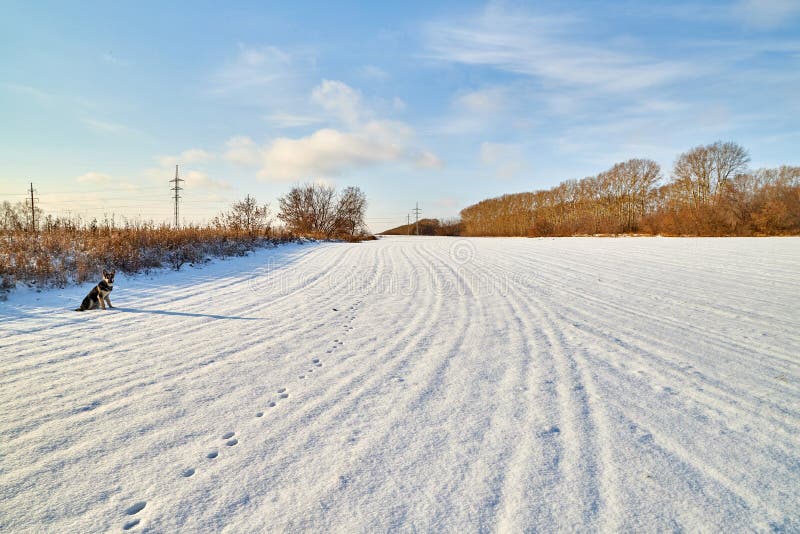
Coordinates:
<point>414,384</point>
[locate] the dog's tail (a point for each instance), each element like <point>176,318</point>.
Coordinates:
<point>79,309</point>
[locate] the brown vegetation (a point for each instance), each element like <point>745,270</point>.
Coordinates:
<point>428,227</point>
<point>711,192</point>
<point>65,250</point>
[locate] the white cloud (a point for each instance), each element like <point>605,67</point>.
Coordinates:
<point>242,150</point>
<point>290,120</point>
<point>358,141</point>
<point>429,160</point>
<point>767,14</point>
<point>547,48</point>
<point>200,180</point>
<point>329,152</point>
<point>341,100</point>
<point>489,100</point>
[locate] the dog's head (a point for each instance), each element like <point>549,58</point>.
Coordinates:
<point>108,276</point>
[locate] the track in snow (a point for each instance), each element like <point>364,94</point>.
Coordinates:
<point>430,384</point>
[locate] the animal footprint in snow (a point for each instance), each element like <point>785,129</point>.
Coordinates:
<point>281,390</point>
<point>284,395</point>
<point>227,435</point>
<point>231,442</point>
<point>302,376</point>
<point>187,473</point>
<point>133,510</point>
<point>211,455</point>
<point>315,360</point>
<point>259,414</point>
<point>136,508</point>
<point>272,404</point>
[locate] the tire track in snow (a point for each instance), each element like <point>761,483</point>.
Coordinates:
<point>685,457</point>
<point>328,411</point>
<point>584,436</point>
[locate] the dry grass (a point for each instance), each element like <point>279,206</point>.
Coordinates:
<point>60,256</point>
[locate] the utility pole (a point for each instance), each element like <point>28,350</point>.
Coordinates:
<point>247,214</point>
<point>416,211</point>
<point>33,211</point>
<point>176,188</point>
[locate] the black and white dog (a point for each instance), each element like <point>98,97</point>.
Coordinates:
<point>98,296</point>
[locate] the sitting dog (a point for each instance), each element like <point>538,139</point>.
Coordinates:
<point>98,296</point>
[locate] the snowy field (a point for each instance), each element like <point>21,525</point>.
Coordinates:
<point>414,385</point>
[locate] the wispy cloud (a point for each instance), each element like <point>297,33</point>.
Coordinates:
<point>546,47</point>
<point>95,178</point>
<point>488,100</point>
<point>291,120</point>
<point>187,157</point>
<point>428,160</point>
<point>372,72</point>
<point>505,159</point>
<point>262,68</point>
<point>27,90</point>
<point>767,14</point>
<point>112,59</point>
<point>252,67</point>
<point>106,127</point>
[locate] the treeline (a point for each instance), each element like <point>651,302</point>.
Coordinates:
<point>710,192</point>
<point>446,227</point>
<point>44,250</point>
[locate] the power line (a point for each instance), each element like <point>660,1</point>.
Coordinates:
<point>416,211</point>
<point>176,188</point>
<point>33,210</point>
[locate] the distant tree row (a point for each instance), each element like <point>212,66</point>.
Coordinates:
<point>444,227</point>
<point>710,192</point>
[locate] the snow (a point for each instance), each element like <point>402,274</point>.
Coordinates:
<point>414,384</point>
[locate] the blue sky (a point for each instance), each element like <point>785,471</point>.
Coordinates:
<point>444,103</point>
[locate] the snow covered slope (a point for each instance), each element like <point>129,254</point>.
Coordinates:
<point>414,384</point>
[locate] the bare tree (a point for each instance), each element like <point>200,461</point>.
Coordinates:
<point>350,211</point>
<point>246,216</point>
<point>704,171</point>
<point>315,209</point>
